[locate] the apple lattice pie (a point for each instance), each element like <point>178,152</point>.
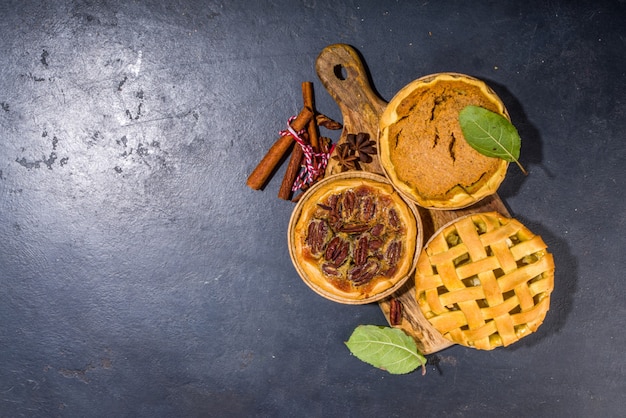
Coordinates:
<point>485,280</point>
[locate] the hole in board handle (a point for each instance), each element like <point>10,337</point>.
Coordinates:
<point>340,72</point>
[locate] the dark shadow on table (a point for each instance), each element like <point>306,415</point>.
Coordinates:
<point>565,284</point>
<point>531,154</point>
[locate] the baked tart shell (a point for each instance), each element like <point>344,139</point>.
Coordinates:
<point>386,268</point>
<point>423,151</point>
<point>484,281</point>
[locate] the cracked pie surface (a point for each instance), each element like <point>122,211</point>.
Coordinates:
<point>422,148</point>
<point>353,238</point>
<point>484,281</point>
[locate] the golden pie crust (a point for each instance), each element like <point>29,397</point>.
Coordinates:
<point>353,238</point>
<point>422,148</point>
<point>485,281</point>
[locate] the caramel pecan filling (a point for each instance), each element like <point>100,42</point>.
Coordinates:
<point>355,236</point>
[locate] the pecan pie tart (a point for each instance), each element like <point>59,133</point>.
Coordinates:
<point>353,239</point>
<point>422,148</point>
<point>484,281</point>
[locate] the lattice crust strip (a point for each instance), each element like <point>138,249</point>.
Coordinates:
<point>485,280</point>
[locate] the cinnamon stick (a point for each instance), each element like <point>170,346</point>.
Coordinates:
<point>308,98</point>
<point>264,169</point>
<point>293,168</point>
<point>284,192</point>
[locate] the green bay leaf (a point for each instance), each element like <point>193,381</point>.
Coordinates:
<point>491,134</point>
<point>386,348</point>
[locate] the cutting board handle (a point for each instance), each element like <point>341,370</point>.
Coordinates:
<point>341,71</point>
<point>343,74</point>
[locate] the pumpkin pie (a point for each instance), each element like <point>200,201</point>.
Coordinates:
<point>422,148</point>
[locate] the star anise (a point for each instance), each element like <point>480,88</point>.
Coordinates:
<point>362,146</point>
<point>346,158</point>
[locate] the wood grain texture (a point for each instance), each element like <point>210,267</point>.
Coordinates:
<point>343,74</point>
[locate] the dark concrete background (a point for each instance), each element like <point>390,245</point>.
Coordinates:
<point>140,277</point>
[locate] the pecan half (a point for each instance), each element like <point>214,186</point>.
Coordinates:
<point>330,270</point>
<point>334,210</point>
<point>395,312</point>
<point>377,230</point>
<point>349,203</point>
<point>368,208</point>
<point>394,250</point>
<point>394,219</point>
<point>353,228</point>
<point>375,244</point>
<point>337,251</point>
<point>318,233</point>
<point>362,274</point>
<point>361,249</point>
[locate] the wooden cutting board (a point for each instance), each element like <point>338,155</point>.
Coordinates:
<point>343,74</point>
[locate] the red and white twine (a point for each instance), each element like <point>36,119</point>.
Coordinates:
<point>314,162</point>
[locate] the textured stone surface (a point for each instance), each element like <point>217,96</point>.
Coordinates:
<point>139,276</point>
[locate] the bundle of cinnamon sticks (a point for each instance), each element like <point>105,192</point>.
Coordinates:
<point>308,121</point>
